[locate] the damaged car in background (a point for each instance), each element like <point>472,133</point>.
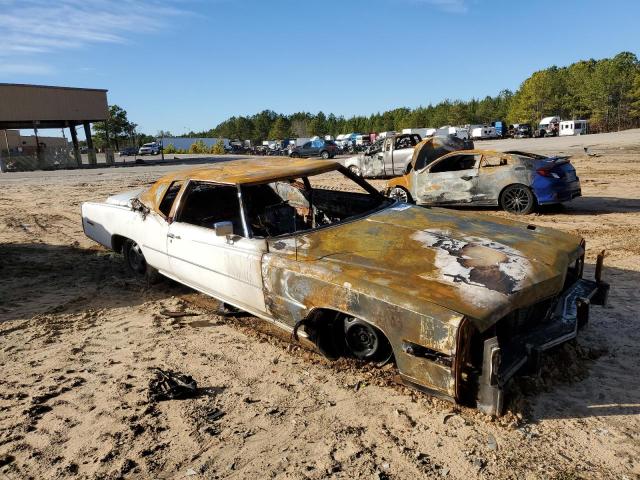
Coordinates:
<point>386,157</point>
<point>518,182</point>
<point>460,302</point>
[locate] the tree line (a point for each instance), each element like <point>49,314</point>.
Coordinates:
<point>606,92</point>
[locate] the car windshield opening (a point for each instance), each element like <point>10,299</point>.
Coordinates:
<point>299,204</point>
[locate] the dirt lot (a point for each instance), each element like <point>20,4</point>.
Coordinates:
<point>78,339</point>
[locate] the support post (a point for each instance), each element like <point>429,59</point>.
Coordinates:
<point>39,159</point>
<point>92,153</point>
<point>3,165</point>
<point>76,147</point>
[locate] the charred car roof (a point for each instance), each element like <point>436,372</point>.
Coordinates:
<point>435,147</point>
<point>239,172</point>
<point>252,171</point>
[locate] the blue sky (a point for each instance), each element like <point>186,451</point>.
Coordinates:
<point>189,64</point>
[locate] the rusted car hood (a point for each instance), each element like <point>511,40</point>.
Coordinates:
<point>477,265</point>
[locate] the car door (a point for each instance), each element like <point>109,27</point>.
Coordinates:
<point>387,156</point>
<point>156,228</point>
<point>494,173</point>
<point>402,153</point>
<point>227,267</point>
<point>316,146</point>
<point>306,149</point>
<point>452,179</point>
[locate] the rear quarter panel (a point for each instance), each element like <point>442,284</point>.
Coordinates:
<point>102,221</point>
<point>492,180</point>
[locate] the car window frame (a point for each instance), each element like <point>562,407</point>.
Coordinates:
<point>449,155</point>
<point>179,205</point>
<point>175,200</point>
<point>370,189</point>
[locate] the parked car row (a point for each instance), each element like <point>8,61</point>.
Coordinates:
<point>460,302</point>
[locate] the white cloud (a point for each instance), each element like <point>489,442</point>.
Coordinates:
<point>450,6</point>
<point>39,26</point>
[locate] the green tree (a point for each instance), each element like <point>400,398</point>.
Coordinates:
<point>280,129</point>
<point>218,148</point>
<point>115,130</point>
<point>198,147</point>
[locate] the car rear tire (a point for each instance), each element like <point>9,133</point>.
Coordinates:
<point>402,194</point>
<point>517,199</point>
<point>325,155</point>
<point>364,341</point>
<point>136,263</point>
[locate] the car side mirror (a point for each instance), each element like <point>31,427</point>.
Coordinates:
<point>223,229</point>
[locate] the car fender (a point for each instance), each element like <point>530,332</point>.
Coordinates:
<point>295,290</point>
<point>403,182</point>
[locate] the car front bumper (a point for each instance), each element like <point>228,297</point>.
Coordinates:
<point>502,361</point>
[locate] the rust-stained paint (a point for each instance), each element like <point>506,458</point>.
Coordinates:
<point>414,273</point>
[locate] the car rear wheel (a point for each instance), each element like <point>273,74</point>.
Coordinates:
<point>355,170</point>
<point>136,263</point>
<point>517,199</point>
<point>325,154</point>
<point>399,193</point>
<point>364,341</point>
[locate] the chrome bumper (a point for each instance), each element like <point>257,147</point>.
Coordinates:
<point>502,362</point>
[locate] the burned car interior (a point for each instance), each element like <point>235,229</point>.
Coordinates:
<point>293,205</point>
<point>272,209</point>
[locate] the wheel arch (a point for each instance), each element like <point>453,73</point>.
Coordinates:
<point>519,184</point>
<point>117,241</point>
<point>321,322</point>
<point>403,182</point>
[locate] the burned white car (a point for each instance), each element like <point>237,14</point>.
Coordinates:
<point>460,302</point>
<point>387,157</point>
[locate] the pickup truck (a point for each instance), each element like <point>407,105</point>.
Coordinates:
<point>387,157</point>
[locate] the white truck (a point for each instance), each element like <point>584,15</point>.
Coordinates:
<point>423,132</point>
<point>448,131</point>
<point>548,127</point>
<point>483,132</point>
<point>386,157</point>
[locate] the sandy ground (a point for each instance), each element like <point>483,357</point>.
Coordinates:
<point>79,337</point>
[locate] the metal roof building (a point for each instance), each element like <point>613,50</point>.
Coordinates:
<point>42,106</point>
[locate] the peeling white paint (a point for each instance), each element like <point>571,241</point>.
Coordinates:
<point>511,262</point>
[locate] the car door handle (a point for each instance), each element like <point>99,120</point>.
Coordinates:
<point>172,235</point>
<point>466,177</point>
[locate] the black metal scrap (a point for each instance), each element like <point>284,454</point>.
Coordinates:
<point>169,385</point>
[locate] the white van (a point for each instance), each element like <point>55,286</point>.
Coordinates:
<point>573,127</point>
